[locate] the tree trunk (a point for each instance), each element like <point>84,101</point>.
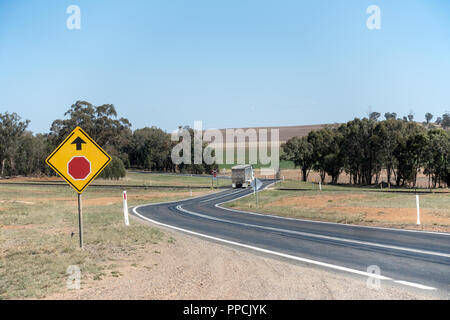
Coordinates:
<point>388,168</point>
<point>305,174</point>
<point>322,176</point>
<point>3,168</point>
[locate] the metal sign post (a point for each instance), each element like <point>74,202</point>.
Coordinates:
<point>256,185</point>
<point>80,221</point>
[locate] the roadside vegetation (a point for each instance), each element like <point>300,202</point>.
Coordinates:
<point>364,148</point>
<point>39,235</point>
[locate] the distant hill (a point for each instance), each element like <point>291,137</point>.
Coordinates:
<point>287,132</point>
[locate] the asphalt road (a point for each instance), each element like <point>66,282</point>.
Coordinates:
<point>411,259</point>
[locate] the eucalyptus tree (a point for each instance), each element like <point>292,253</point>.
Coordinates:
<point>299,151</point>
<point>11,129</point>
<point>100,122</point>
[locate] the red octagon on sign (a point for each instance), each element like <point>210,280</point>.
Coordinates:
<point>79,168</point>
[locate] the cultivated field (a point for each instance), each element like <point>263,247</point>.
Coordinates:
<point>362,206</point>
<point>285,132</point>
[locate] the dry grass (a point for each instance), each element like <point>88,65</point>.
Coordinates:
<point>36,242</point>
<point>364,208</point>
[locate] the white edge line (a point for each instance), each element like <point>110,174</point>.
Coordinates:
<point>219,205</point>
<point>415,285</point>
<point>288,256</point>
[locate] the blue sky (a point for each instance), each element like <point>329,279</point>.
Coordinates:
<point>229,63</point>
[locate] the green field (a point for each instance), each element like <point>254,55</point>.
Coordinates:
<point>142,179</point>
<point>146,179</point>
<point>36,246</point>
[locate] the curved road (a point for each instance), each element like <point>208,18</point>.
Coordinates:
<point>412,259</point>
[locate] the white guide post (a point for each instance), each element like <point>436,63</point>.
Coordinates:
<point>125,209</point>
<point>418,209</point>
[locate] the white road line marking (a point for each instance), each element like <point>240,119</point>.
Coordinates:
<point>222,196</point>
<point>184,200</point>
<point>416,285</point>
<point>288,256</point>
<point>307,234</point>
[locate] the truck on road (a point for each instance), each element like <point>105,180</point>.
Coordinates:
<point>242,176</point>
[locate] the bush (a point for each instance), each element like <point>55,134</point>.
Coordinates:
<point>115,170</point>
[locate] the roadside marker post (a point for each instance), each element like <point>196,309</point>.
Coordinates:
<point>214,177</point>
<point>78,160</point>
<point>125,209</point>
<point>418,209</point>
<point>320,186</point>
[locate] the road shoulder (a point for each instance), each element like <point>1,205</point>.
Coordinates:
<point>187,267</point>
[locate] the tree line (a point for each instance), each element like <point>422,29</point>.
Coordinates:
<point>362,148</point>
<point>149,148</point>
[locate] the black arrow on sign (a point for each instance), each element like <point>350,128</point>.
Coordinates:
<point>78,141</point>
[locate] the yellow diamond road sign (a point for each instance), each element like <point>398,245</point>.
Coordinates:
<point>78,159</point>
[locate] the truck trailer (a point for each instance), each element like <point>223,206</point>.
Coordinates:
<point>242,176</point>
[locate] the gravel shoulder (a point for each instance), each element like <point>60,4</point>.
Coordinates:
<point>187,267</point>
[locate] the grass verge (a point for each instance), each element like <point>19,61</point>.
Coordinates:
<point>39,236</point>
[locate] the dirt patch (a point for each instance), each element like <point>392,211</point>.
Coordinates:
<point>61,230</point>
<point>105,201</point>
<point>161,196</point>
<point>333,204</point>
<point>17,201</point>
<point>32,179</point>
<point>17,227</point>
<point>319,201</point>
<point>295,174</point>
